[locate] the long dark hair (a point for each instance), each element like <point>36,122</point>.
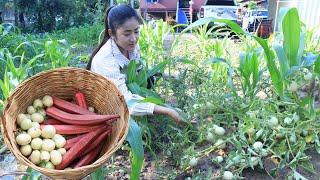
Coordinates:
<point>114,18</point>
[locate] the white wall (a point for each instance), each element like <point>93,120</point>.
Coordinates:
<point>309,11</point>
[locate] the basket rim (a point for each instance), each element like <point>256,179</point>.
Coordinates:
<point>24,160</point>
<point>6,102</point>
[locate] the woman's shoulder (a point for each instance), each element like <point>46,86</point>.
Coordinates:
<point>104,55</point>
<point>105,50</point>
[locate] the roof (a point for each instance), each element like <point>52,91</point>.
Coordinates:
<point>161,5</point>
<point>167,5</point>
<point>198,3</point>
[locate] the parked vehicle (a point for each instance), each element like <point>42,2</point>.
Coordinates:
<point>252,19</point>
<point>220,9</point>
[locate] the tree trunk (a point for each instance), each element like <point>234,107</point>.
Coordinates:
<point>15,12</point>
<point>40,24</point>
<point>52,20</point>
<point>21,20</point>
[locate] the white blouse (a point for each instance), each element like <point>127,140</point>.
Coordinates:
<point>108,62</point>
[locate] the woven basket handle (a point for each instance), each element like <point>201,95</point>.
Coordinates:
<point>1,119</point>
<point>1,125</point>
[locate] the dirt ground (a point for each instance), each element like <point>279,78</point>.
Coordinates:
<point>121,168</point>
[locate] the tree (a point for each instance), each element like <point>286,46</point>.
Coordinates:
<point>48,15</point>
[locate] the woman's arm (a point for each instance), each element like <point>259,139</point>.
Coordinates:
<point>169,112</point>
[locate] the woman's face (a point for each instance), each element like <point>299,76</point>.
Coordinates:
<point>127,35</point>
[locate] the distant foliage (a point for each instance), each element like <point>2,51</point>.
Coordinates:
<point>49,15</point>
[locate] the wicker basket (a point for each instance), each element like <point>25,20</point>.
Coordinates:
<point>101,93</point>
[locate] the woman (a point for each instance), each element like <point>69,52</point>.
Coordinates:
<point>118,47</point>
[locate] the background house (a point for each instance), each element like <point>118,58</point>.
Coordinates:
<point>163,9</point>
<point>7,12</point>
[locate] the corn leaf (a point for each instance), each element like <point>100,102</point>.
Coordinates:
<point>283,60</point>
<point>142,79</point>
<point>131,74</point>
<point>317,66</point>
<point>186,61</point>
<point>301,49</point>
<point>134,138</point>
<point>317,144</point>
<point>255,72</point>
<point>244,69</point>
<point>5,86</point>
<point>249,69</point>
<point>273,70</point>
<point>291,33</point>
<point>34,175</point>
<point>232,25</point>
<point>158,68</point>
<point>230,72</point>
<point>148,93</point>
<point>31,61</point>
<point>152,100</point>
<point>134,88</point>
<point>99,174</point>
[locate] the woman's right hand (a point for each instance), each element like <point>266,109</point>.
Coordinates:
<point>175,116</point>
<point>172,114</point>
<point>178,118</point>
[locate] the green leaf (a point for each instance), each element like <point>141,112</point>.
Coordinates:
<point>232,25</point>
<point>142,79</point>
<point>308,166</point>
<point>317,66</point>
<point>283,60</point>
<point>131,74</point>
<point>5,85</point>
<point>152,100</point>
<point>249,69</point>
<point>158,68</point>
<point>99,174</point>
<point>297,175</point>
<point>34,175</point>
<point>217,60</point>
<point>317,144</point>
<point>186,61</point>
<point>230,72</point>
<point>147,92</point>
<point>276,77</point>
<point>255,70</point>
<point>134,138</point>
<point>134,88</point>
<point>291,35</point>
<point>301,49</point>
<point>31,61</point>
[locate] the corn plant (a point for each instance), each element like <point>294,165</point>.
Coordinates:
<point>137,81</point>
<point>289,54</point>
<point>6,86</point>
<point>14,74</point>
<point>317,66</point>
<point>5,29</point>
<point>151,41</point>
<point>312,40</point>
<point>57,53</point>
<point>249,70</point>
